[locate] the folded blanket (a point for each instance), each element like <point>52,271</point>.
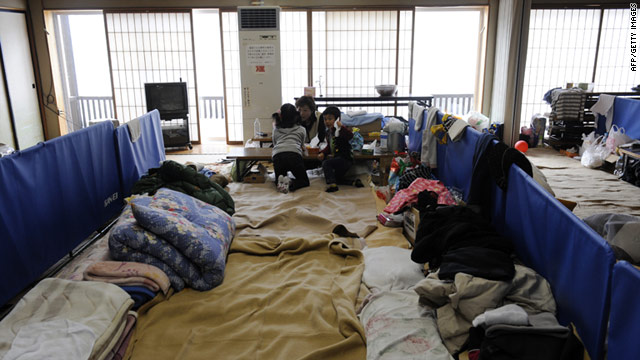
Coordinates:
<point>184,237</point>
<point>128,273</point>
<point>140,295</point>
<point>120,347</point>
<point>101,307</point>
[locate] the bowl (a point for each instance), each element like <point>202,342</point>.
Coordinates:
<point>386,90</point>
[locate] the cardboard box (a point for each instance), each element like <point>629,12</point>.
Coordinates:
<point>258,175</point>
<point>411,223</point>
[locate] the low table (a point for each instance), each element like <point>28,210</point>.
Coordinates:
<point>262,139</point>
<point>253,155</point>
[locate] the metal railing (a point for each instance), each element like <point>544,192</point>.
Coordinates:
<point>212,107</point>
<point>456,104</point>
<point>89,108</point>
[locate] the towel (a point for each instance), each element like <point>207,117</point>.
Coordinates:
<point>429,155</point>
<point>134,129</point>
<point>604,106</point>
<point>416,114</point>
<point>128,273</point>
<point>457,129</point>
<point>353,113</point>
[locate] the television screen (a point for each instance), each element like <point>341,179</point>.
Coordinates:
<point>169,98</point>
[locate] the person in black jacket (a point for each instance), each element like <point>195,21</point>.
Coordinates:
<point>337,156</point>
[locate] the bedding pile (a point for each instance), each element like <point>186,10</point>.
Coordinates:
<point>66,319</point>
<point>184,237</point>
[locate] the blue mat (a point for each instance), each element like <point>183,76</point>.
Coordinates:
<point>54,195</point>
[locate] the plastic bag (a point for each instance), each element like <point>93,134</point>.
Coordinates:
<point>357,141</point>
<point>616,138</point>
<point>476,120</point>
<point>594,154</point>
<point>251,144</point>
<point>587,140</point>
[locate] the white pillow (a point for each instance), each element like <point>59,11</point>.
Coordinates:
<point>390,268</point>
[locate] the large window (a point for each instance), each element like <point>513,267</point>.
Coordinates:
<point>563,48</point>
<point>293,54</point>
<point>340,52</point>
<point>448,56</point>
<point>355,50</point>
<point>149,48</point>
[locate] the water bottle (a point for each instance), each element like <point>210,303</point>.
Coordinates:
<point>383,141</point>
<point>256,128</point>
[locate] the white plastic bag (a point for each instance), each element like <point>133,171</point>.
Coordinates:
<point>594,154</point>
<point>616,138</point>
<point>476,120</point>
<point>587,140</point>
<point>251,144</point>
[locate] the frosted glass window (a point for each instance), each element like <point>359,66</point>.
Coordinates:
<point>170,51</point>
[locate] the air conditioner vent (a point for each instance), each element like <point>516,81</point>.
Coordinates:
<point>258,18</point>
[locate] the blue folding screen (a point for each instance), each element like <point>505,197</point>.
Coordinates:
<point>136,158</point>
<point>52,196</point>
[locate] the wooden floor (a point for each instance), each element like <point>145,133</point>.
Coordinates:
<point>209,148</point>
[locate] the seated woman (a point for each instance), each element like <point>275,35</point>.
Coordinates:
<point>311,118</point>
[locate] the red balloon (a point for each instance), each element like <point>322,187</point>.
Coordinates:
<point>522,146</point>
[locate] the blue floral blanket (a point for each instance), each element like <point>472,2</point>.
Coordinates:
<point>185,237</point>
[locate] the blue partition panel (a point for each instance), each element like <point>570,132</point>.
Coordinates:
<point>455,161</point>
<point>136,158</point>
<point>575,260</point>
<point>624,320</point>
<point>53,196</point>
<point>626,114</point>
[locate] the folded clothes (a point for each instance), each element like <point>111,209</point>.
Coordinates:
<point>128,273</point>
<point>140,295</point>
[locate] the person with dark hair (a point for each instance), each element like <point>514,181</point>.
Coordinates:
<point>288,141</point>
<point>310,118</point>
<point>337,156</point>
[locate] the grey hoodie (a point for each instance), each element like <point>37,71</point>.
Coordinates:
<point>288,139</point>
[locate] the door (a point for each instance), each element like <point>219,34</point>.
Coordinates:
<point>20,82</point>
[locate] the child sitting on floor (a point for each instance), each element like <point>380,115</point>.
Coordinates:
<point>337,156</point>
<point>288,141</point>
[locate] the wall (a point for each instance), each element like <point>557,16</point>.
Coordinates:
<point>13,4</point>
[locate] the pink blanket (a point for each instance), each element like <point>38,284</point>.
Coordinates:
<point>129,274</point>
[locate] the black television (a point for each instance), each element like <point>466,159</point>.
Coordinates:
<point>169,98</point>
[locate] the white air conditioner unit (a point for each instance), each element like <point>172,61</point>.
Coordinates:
<point>259,35</point>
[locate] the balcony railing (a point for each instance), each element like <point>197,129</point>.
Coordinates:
<point>212,107</point>
<point>456,104</point>
<point>88,108</point>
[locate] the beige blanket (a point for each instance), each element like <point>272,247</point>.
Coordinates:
<point>291,287</point>
<point>595,191</point>
<point>281,299</point>
<point>261,210</point>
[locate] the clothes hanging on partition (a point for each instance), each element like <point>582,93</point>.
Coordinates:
<point>429,156</point>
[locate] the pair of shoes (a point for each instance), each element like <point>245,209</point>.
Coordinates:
<point>332,188</point>
<point>358,183</point>
<point>283,184</point>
